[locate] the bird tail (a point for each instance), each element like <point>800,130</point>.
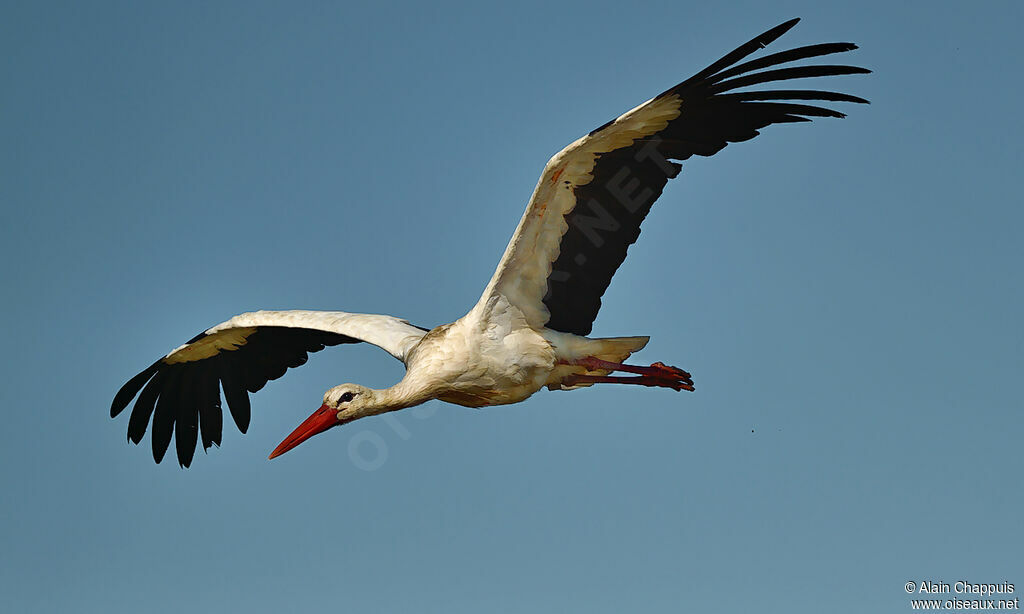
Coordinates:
<point>618,349</point>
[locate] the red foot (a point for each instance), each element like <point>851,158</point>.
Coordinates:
<point>674,377</point>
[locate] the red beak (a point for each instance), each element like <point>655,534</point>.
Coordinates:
<point>321,420</point>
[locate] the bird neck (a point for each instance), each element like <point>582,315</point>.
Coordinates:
<point>406,393</point>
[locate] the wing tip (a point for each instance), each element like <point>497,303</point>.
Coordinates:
<point>775,33</point>
<point>787,25</point>
<point>127,392</point>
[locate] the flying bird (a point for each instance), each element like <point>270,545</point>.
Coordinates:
<point>530,328</point>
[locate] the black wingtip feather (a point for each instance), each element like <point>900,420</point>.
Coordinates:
<point>783,74</point>
<point>210,414</point>
<point>143,409</point>
<point>782,57</point>
<point>127,392</point>
<point>234,392</point>
<point>186,426</point>
<point>758,42</point>
<point>166,411</point>
<point>791,95</point>
<point>797,109</point>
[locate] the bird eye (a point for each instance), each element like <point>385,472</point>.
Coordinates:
<point>345,398</point>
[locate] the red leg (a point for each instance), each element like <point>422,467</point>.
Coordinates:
<point>658,374</point>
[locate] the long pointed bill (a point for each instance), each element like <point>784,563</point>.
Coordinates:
<point>321,420</point>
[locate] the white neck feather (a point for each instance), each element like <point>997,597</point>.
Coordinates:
<point>406,393</point>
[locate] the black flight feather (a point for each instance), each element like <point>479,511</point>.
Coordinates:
<point>183,399</point>
<point>627,181</point>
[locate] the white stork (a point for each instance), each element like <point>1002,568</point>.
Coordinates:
<point>528,330</point>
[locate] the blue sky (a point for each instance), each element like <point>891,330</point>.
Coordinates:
<point>846,294</point>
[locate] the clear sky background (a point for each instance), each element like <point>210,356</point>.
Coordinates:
<point>847,295</point>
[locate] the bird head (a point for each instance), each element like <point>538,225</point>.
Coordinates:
<point>342,404</point>
<point>349,400</point>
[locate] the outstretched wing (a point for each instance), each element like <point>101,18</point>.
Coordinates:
<point>181,391</point>
<point>592,196</point>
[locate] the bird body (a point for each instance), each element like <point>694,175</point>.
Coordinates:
<point>474,362</point>
<point>493,356</point>
<point>530,328</point>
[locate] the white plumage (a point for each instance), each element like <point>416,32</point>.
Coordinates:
<point>529,329</point>
<point>393,335</point>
